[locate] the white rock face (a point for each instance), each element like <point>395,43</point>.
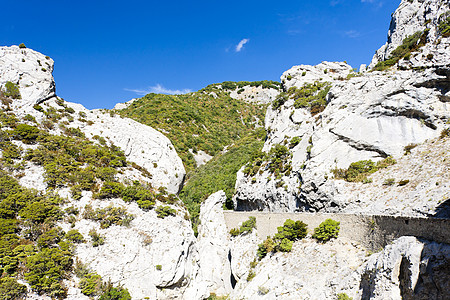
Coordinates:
<point>142,144</point>
<point>130,254</point>
<point>255,94</point>
<point>214,274</point>
<point>407,269</point>
<point>243,251</point>
<point>409,18</point>
<point>310,271</point>
<point>369,116</point>
<point>30,70</point>
<point>326,71</point>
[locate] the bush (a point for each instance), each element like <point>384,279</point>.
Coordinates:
<point>158,267</point>
<point>280,100</point>
<point>266,247</point>
<point>97,239</point>
<point>234,232</point>
<point>22,46</point>
<point>343,296</point>
<point>108,216</point>
<point>164,211</point>
<point>10,289</point>
<point>291,230</point>
<point>91,284</point>
<point>327,230</point>
<point>248,225</point>
<point>358,171</point>
<point>294,142</point>
<point>47,269</point>
<point>27,133</point>
<point>74,236</point>
<point>12,90</point>
<point>115,293</point>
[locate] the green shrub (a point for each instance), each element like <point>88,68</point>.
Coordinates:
<point>251,275</point>
<point>27,133</point>
<point>284,246</point>
<point>108,216</point>
<point>47,269</point>
<point>444,25</point>
<point>248,225</point>
<point>22,46</point>
<point>158,267</point>
<point>234,232</point>
<point>11,90</point>
<point>266,247</point>
<point>280,99</point>
<point>358,171</point>
<point>343,296</point>
<point>291,230</point>
<point>115,293</point>
<point>410,43</point>
<point>74,236</point>
<point>294,142</point>
<point>97,239</point>
<point>110,189</point>
<point>91,284</point>
<point>10,289</point>
<point>165,211</point>
<point>403,182</point>
<point>311,96</point>
<point>327,230</point>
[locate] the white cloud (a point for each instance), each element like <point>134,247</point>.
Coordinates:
<point>378,3</point>
<point>241,44</point>
<point>352,34</point>
<point>158,89</point>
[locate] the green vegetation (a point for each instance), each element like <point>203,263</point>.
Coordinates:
<point>158,267</point>
<point>92,285</point>
<point>283,240</point>
<point>220,174</point>
<point>108,216</point>
<point>343,296</point>
<point>232,85</point>
<point>310,95</point>
<point>246,227</point>
<point>97,239</point>
<point>280,99</point>
<point>10,289</point>
<point>410,44</point>
<point>277,162</point>
<point>11,90</point>
<point>165,211</point>
<point>327,230</point>
<point>444,25</point>
<point>22,46</point>
<point>358,171</point>
<point>206,120</point>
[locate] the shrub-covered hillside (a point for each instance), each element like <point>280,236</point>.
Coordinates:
<point>206,120</point>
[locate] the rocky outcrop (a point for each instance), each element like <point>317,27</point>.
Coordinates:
<point>30,70</point>
<point>130,255</point>
<point>214,270</point>
<point>142,144</point>
<point>369,115</point>
<point>311,271</point>
<point>407,269</point>
<point>256,94</point>
<point>417,16</point>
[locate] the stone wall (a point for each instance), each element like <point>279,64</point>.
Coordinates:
<point>373,232</point>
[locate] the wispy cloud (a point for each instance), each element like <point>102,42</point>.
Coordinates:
<point>353,34</point>
<point>335,2</point>
<point>241,44</point>
<point>378,3</point>
<point>158,89</point>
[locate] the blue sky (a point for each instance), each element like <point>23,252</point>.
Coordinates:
<point>111,51</point>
